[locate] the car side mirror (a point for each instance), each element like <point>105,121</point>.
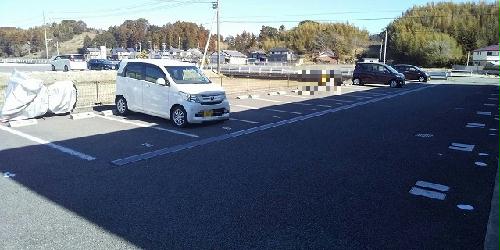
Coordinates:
<point>161,81</point>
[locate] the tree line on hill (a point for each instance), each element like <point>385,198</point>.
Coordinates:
<point>436,34</point>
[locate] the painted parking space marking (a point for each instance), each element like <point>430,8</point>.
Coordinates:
<point>465,207</point>
<point>302,104</point>
<point>147,125</point>
<point>483,113</point>
<point>267,100</point>
<point>434,186</point>
<point>492,98</point>
<point>244,106</point>
<point>490,104</point>
<point>337,100</point>
<point>475,125</point>
<point>480,164</point>
<point>462,147</point>
<point>284,111</point>
<point>49,144</point>
<point>483,154</point>
<point>190,145</point>
<point>324,106</point>
<point>427,193</point>
<point>22,123</point>
<point>243,120</point>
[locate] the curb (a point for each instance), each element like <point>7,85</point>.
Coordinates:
<point>491,238</point>
<point>22,123</point>
<point>79,116</point>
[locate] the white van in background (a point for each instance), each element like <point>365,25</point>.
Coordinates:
<point>170,89</point>
<point>69,62</point>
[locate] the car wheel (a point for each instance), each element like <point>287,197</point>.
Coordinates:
<point>421,79</point>
<point>179,117</point>
<point>121,106</point>
<point>53,68</point>
<point>356,81</point>
<point>66,68</point>
<point>393,84</point>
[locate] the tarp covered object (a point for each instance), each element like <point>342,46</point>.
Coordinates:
<point>28,98</point>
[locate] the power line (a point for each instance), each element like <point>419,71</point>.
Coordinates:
<point>313,14</point>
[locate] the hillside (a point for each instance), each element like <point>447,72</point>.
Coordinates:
<point>72,46</point>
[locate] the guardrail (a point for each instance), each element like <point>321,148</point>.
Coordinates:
<point>24,60</point>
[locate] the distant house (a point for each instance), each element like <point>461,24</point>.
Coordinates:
<point>368,59</point>
<point>486,55</point>
<point>229,56</point>
<point>327,56</point>
<point>92,53</point>
<point>175,52</point>
<point>258,56</point>
<point>195,53</point>
<point>281,55</point>
<point>120,54</point>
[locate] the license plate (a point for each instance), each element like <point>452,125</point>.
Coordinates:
<point>207,113</point>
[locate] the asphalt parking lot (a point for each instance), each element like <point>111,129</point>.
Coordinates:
<point>372,167</point>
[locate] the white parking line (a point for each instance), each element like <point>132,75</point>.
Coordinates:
<point>267,100</point>
<point>244,106</point>
<point>241,120</point>
<point>427,193</point>
<point>324,106</point>
<point>462,147</point>
<point>50,144</point>
<point>177,148</point>
<point>296,96</point>
<point>434,186</point>
<point>475,125</point>
<point>283,111</point>
<point>336,100</point>
<point>147,125</point>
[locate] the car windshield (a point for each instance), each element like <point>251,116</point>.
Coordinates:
<point>187,75</point>
<point>417,68</point>
<point>391,69</point>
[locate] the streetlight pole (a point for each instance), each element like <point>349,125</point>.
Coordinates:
<point>385,45</point>
<point>45,35</point>
<point>218,37</point>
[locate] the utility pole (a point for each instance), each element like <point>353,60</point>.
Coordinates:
<point>57,46</point>
<point>385,45</point>
<point>468,57</point>
<point>380,52</point>
<point>45,35</point>
<point>179,43</point>
<point>218,37</point>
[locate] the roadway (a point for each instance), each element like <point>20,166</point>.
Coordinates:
<point>378,168</point>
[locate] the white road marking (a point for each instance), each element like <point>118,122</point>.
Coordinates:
<point>296,96</point>
<point>483,154</point>
<point>493,129</point>
<point>480,164</point>
<point>493,99</point>
<point>475,125</point>
<point>424,135</point>
<point>324,106</point>
<point>147,125</point>
<point>244,106</point>
<point>490,104</point>
<point>267,100</point>
<point>299,103</point>
<point>483,113</point>
<point>275,116</point>
<point>84,115</point>
<point>434,186</point>
<point>336,100</point>
<point>492,134</point>
<point>313,109</point>
<point>147,145</point>
<point>201,142</point>
<point>22,123</point>
<point>465,207</point>
<point>242,120</point>
<point>462,147</point>
<point>427,193</point>
<point>357,96</point>
<point>49,144</point>
<point>226,128</point>
<point>284,111</point>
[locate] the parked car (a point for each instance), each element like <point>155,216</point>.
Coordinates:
<point>170,89</point>
<point>69,62</point>
<point>377,73</point>
<point>412,72</point>
<point>101,64</point>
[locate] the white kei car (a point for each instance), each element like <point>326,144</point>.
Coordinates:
<point>170,89</point>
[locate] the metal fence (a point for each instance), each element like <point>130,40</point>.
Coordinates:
<point>25,60</point>
<point>94,93</point>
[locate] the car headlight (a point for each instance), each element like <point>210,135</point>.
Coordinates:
<point>189,97</point>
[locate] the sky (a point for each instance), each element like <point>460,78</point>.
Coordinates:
<point>236,15</point>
